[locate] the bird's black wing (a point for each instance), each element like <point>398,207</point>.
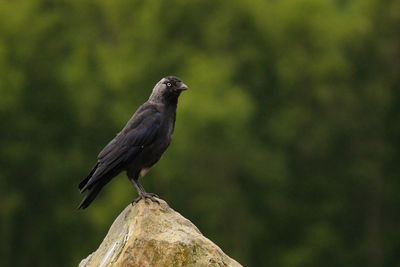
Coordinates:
<point>139,132</point>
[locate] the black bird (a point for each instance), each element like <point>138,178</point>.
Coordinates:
<point>140,144</point>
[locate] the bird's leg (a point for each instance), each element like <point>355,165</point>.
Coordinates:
<point>142,193</point>
<point>150,194</point>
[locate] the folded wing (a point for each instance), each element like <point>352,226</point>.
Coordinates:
<point>139,132</point>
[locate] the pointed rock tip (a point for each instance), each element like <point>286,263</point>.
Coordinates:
<point>152,234</point>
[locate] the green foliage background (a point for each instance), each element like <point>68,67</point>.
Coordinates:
<point>286,146</point>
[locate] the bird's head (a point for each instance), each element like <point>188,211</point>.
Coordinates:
<point>167,89</point>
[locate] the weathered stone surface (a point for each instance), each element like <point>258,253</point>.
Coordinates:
<point>155,235</point>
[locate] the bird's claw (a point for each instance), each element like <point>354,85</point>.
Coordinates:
<point>153,195</point>
<point>147,196</point>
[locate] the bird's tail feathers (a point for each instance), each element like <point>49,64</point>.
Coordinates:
<point>82,184</point>
<point>91,195</point>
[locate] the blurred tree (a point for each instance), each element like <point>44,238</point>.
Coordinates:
<point>286,145</point>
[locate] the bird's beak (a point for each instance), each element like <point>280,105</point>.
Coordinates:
<point>183,87</point>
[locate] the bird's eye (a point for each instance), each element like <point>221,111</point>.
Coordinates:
<point>169,84</point>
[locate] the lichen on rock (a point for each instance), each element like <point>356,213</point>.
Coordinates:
<point>151,234</point>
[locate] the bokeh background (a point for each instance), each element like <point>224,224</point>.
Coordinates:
<point>286,147</point>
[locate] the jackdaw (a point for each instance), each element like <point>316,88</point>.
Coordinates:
<point>140,144</point>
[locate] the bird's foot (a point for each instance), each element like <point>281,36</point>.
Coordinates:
<point>153,195</point>
<point>145,196</point>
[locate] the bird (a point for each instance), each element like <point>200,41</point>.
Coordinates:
<point>139,145</point>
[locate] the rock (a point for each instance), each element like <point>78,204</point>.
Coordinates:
<point>151,234</point>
